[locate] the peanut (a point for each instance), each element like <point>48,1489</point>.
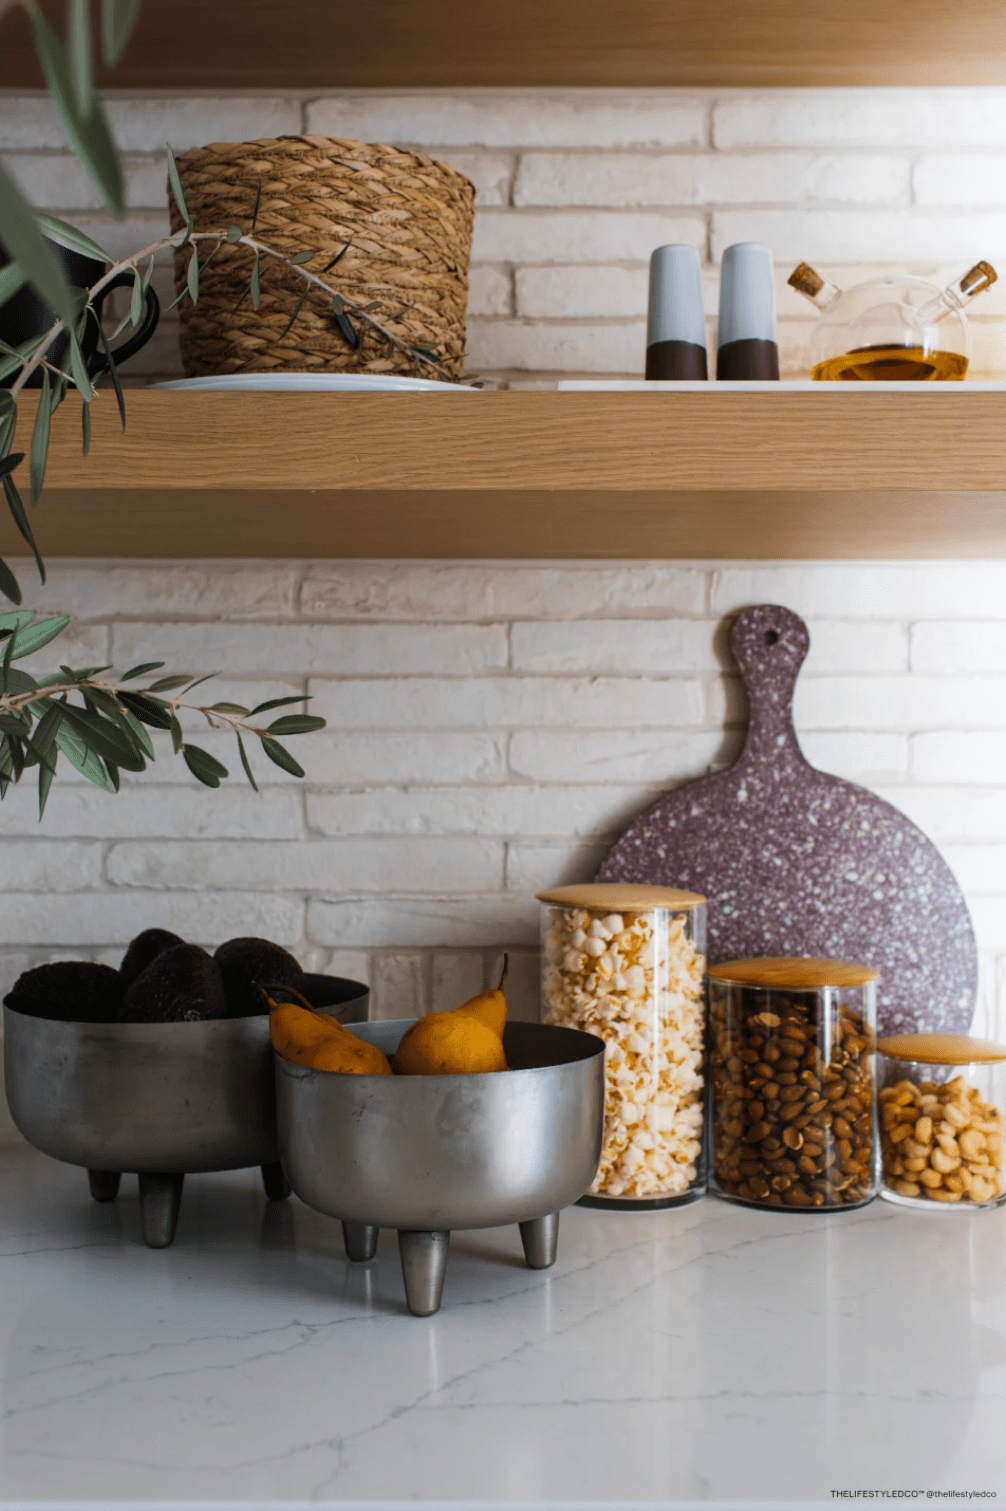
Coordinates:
<point>955,1151</point>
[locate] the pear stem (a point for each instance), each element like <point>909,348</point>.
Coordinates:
<point>506,968</point>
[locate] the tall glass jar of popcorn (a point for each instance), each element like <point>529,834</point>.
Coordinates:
<point>627,963</point>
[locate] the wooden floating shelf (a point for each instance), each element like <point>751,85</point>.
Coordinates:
<point>800,475</point>
<point>393,44</point>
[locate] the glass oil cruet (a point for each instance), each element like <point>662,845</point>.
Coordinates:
<point>893,329</point>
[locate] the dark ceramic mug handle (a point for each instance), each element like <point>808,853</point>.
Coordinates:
<point>98,363</point>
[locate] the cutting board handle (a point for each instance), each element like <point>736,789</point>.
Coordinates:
<point>770,644</point>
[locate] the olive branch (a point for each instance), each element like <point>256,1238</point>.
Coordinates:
<point>107,732</point>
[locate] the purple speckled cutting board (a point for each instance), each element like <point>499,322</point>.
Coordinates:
<point>796,862</point>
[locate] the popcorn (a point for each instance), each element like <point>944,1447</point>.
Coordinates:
<point>636,982</point>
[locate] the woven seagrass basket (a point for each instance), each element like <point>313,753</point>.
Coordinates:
<point>407,220</point>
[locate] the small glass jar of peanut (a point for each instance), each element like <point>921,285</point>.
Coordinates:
<point>627,963</point>
<point>941,1120</point>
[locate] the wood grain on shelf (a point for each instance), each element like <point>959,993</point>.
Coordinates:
<point>495,475</point>
<point>309,44</point>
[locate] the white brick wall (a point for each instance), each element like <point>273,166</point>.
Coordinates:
<point>576,187</point>
<point>493,728</point>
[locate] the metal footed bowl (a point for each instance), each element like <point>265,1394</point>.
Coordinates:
<point>426,1154</point>
<point>159,1099</point>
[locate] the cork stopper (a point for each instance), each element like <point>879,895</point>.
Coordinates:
<point>622,897</point>
<point>793,972</point>
<point>806,281</point>
<point>942,1049</point>
<point>982,276</point>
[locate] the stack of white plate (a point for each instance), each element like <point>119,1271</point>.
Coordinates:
<point>286,382</point>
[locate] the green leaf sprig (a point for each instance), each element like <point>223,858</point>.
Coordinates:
<point>106,732</point>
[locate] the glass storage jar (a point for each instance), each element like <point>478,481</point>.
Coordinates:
<point>791,1051</point>
<point>627,963</point>
<point>942,1099</point>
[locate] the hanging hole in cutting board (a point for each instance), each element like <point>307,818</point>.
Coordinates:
<point>771,637</point>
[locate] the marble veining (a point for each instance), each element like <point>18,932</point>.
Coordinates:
<point>711,1354</point>
<point>796,862</point>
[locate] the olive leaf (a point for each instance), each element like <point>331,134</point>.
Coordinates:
<point>178,193</point>
<point>66,76</point>
<point>244,761</point>
<point>40,437</point>
<point>296,724</point>
<point>66,235</point>
<point>280,756</point>
<point>26,245</point>
<point>118,18</point>
<point>203,766</point>
<point>141,670</point>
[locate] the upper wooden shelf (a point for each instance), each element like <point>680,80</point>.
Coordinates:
<point>311,44</point>
<point>823,474</point>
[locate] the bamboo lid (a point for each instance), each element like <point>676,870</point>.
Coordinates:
<point>793,971</point>
<point>942,1049</point>
<point>622,897</point>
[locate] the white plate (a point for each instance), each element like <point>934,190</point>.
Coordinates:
<point>285,382</point>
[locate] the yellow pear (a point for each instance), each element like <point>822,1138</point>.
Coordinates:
<point>489,1007</point>
<point>448,1044</point>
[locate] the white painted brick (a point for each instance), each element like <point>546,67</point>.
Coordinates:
<point>351,965</point>
<point>45,865</point>
<point>846,646</point>
<point>581,293</point>
<point>348,866</point>
<point>539,236</point>
<point>194,120</point>
<point>398,987</point>
<point>53,181</point>
<point>953,813</point>
<point>901,703</point>
<point>857,755</point>
<point>151,811</point>
<point>634,180</point>
<point>106,918</point>
<point>980,869</point>
<point>490,291</point>
<point>956,647</point>
<point>523,988</point>
<point>954,178</point>
<point>419,702</point>
<point>532,868</point>
<point>988,914</point>
<point>343,650</point>
<point>566,349</point>
<point>959,758</point>
<point>206,589</point>
<point>499,590</point>
<point>798,234</point>
<point>29,121</point>
<point>633,647</point>
<point>419,923</point>
<point>861,117</point>
<point>490,172</point>
<point>348,758</point>
<point>79,644</point>
<point>867,590</point>
<point>513,118</point>
<point>614,755</point>
<point>504,811</point>
<point>455,976</point>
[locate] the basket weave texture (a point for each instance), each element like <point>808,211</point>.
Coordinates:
<point>407,219</point>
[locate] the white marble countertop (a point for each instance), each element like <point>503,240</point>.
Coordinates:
<point>713,1355</point>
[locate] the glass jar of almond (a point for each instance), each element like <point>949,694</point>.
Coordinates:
<point>941,1104</point>
<point>627,963</point>
<point>791,1052</point>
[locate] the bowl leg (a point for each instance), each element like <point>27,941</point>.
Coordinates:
<point>360,1240</point>
<point>160,1198</point>
<point>424,1263</point>
<point>104,1184</point>
<point>540,1238</point>
<point>275,1183</point>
